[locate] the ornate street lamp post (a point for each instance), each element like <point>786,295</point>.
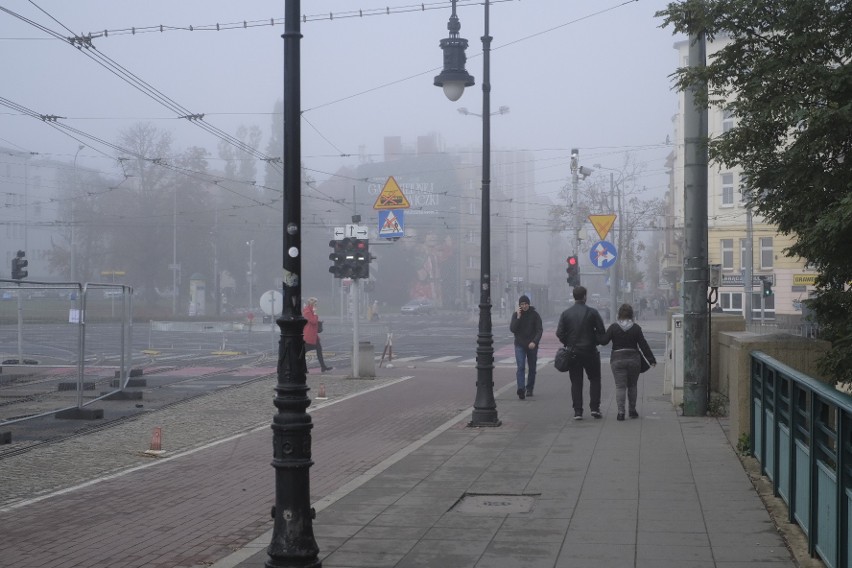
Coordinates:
<point>293,543</point>
<point>453,79</point>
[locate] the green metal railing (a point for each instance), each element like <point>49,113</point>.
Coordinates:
<point>801,430</point>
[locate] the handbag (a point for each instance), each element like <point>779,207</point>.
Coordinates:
<point>643,363</point>
<point>564,357</point>
<point>319,327</point>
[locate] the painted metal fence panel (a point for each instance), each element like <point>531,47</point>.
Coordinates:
<point>801,431</point>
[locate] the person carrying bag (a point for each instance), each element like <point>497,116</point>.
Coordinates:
<point>629,353</point>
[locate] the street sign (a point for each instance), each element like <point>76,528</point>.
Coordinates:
<point>391,197</point>
<point>602,224</point>
<point>603,254</point>
<point>357,231</point>
<point>271,302</point>
<point>339,233</point>
<point>391,223</point>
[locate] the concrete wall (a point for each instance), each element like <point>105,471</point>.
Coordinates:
<point>732,360</point>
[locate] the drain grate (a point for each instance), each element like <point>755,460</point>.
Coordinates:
<point>494,504</point>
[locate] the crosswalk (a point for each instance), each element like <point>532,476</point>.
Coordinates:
<point>460,361</point>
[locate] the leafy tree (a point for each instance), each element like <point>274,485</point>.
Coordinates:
<point>784,72</point>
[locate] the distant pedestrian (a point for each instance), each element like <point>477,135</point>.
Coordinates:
<point>581,326</point>
<point>627,340</point>
<point>311,332</point>
<point>526,325</point>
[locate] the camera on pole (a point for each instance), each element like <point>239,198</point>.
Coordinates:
<point>18,265</point>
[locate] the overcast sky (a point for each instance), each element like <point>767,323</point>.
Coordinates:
<point>591,74</point>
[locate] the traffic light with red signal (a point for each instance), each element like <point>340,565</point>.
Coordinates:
<point>573,271</point>
<point>351,258</point>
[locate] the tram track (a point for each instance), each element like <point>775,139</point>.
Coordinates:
<point>32,429</point>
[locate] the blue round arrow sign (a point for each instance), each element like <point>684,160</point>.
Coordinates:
<point>603,254</point>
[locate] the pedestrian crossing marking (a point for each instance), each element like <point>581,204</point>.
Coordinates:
<point>444,359</point>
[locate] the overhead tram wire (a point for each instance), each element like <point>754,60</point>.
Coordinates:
<point>85,46</point>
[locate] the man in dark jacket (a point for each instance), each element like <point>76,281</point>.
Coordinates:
<point>581,326</point>
<point>526,325</point>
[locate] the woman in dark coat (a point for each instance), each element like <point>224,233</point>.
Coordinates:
<point>627,339</point>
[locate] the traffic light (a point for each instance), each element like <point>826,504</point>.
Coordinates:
<point>767,287</point>
<point>337,257</point>
<point>18,265</point>
<point>573,271</point>
<point>361,267</point>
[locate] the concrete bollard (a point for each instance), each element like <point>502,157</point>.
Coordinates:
<point>366,360</point>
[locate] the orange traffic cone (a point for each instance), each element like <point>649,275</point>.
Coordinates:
<point>157,440</point>
<point>156,448</point>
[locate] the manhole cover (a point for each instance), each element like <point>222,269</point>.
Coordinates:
<point>474,504</point>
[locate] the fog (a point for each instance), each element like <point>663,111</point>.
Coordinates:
<point>586,74</point>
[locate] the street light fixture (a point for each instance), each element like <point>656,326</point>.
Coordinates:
<point>454,78</point>
<point>501,110</point>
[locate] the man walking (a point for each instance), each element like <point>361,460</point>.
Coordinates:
<point>526,325</point>
<point>582,327</point>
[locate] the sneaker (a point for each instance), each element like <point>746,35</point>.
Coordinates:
<point>326,369</point>
<point>634,414</point>
<point>529,392</point>
<point>620,417</point>
<point>596,414</point>
<point>578,416</point>
<point>521,394</point>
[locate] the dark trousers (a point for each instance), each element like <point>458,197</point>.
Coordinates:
<point>318,347</point>
<point>590,362</point>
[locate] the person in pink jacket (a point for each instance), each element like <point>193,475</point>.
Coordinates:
<point>311,332</point>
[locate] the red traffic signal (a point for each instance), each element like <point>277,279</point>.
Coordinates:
<point>573,270</point>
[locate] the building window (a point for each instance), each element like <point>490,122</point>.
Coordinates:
<point>744,253</point>
<point>727,121</point>
<point>767,254</point>
<point>727,254</point>
<point>727,189</point>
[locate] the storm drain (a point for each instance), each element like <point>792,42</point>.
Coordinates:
<point>478,504</point>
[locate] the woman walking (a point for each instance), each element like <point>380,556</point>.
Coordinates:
<point>311,332</point>
<point>626,360</point>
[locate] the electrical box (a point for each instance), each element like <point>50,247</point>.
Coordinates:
<point>715,275</point>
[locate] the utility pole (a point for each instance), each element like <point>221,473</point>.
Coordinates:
<point>749,270</point>
<point>695,269</point>
<point>575,189</point>
<point>614,279</point>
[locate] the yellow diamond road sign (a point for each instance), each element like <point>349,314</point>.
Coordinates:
<point>391,197</point>
<point>602,224</point>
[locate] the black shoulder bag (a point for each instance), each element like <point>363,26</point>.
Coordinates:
<point>566,355</point>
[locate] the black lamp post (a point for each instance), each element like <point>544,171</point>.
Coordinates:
<point>293,543</point>
<point>454,78</point>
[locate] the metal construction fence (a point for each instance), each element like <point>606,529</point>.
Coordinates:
<point>801,433</point>
<point>60,341</point>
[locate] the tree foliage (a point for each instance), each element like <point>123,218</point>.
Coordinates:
<point>784,72</point>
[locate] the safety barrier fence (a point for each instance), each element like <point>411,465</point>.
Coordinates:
<point>58,342</point>
<point>801,431</point>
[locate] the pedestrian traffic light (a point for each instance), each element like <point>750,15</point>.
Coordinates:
<point>18,265</point>
<point>573,271</point>
<point>767,287</point>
